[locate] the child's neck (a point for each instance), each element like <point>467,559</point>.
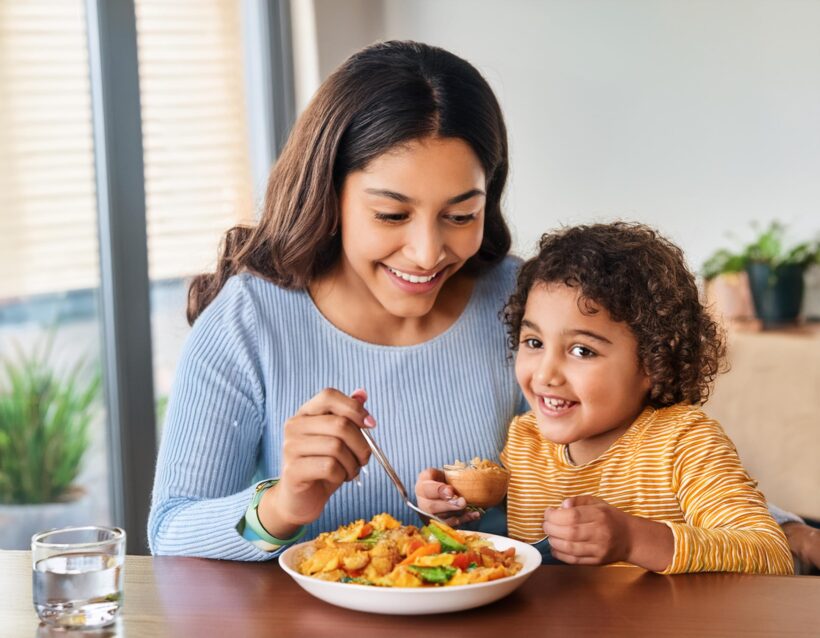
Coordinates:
<point>586,450</point>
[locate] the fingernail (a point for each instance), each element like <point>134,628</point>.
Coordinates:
<point>474,516</point>
<point>566,504</point>
<point>460,502</point>
<point>360,394</point>
<point>369,421</point>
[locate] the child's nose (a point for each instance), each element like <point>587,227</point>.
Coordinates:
<point>549,371</point>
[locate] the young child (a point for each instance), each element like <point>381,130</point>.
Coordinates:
<point>616,462</point>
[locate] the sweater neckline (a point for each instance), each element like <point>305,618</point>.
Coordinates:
<point>452,329</point>
<point>639,425</point>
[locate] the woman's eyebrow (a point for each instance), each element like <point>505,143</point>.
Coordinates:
<point>404,199</point>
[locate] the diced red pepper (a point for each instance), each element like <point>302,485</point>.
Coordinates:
<point>367,530</point>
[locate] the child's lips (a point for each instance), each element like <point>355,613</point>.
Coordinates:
<point>555,406</point>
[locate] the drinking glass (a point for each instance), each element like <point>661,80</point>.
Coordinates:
<point>78,575</point>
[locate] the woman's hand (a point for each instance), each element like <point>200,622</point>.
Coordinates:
<point>586,530</point>
<point>323,447</point>
<point>433,495</point>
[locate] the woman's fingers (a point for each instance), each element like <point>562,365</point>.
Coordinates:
<point>324,453</point>
<point>332,401</point>
<point>300,428</point>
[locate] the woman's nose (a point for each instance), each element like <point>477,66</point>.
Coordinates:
<point>425,247</point>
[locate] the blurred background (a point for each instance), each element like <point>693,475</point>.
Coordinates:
<point>133,133</point>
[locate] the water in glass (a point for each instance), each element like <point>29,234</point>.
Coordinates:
<point>78,584</point>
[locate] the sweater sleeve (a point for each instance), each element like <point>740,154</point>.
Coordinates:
<point>728,526</point>
<point>210,443</point>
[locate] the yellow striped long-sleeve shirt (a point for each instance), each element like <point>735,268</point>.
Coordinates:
<point>674,465</point>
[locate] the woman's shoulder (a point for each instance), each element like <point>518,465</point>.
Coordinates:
<point>499,280</point>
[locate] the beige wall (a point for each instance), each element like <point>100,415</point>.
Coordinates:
<point>695,116</point>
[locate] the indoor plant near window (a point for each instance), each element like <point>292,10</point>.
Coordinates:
<point>775,273</point>
<point>727,286</point>
<point>44,420</point>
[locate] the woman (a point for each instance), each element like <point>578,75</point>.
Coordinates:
<point>380,263</point>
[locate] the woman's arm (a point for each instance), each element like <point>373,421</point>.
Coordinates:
<point>211,438</point>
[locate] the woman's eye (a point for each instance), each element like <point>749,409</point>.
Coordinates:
<point>582,351</point>
<point>391,218</point>
<point>462,220</point>
<point>531,344</point>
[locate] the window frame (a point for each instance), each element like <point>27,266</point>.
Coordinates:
<point>124,277</point>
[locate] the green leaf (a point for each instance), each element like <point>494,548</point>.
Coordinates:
<point>44,421</point>
<point>437,575</point>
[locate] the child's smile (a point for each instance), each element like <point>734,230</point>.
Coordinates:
<point>579,371</point>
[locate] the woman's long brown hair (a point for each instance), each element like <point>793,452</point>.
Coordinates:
<point>387,94</point>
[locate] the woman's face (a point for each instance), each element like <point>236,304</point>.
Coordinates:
<point>409,221</point>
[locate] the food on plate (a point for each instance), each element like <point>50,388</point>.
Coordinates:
<point>384,553</point>
<point>481,482</point>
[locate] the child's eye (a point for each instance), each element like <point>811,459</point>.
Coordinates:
<point>531,344</point>
<point>461,220</point>
<point>391,218</point>
<point>582,351</point>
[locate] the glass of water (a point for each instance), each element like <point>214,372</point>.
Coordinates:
<point>78,575</point>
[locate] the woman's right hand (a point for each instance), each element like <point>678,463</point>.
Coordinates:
<point>323,447</point>
<point>435,496</point>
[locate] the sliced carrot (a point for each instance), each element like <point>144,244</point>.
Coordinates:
<point>367,529</point>
<point>424,550</point>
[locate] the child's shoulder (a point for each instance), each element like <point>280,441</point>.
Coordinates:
<point>523,426</point>
<point>684,422</point>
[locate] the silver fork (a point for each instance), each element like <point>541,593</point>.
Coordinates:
<point>391,473</point>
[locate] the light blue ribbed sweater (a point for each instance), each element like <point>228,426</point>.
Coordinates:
<point>258,352</point>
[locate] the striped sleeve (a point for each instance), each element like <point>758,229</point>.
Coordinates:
<point>728,526</point>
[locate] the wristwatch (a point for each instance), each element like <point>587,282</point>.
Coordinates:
<point>252,518</point>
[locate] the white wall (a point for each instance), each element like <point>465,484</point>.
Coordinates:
<point>696,116</point>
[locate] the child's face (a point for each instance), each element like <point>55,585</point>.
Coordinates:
<point>580,373</point>
<point>409,222</point>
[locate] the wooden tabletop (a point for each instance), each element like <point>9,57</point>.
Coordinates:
<point>182,597</point>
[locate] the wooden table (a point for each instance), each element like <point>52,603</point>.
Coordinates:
<point>182,597</point>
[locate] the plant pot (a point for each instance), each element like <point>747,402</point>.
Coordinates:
<point>729,297</point>
<point>777,292</point>
<point>19,522</point>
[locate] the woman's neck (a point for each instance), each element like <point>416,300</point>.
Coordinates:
<point>348,304</point>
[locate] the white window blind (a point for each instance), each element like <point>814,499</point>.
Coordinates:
<point>197,163</point>
<point>197,166</point>
<point>48,215</point>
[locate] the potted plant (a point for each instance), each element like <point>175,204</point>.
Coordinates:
<point>775,272</point>
<point>727,286</point>
<point>44,419</point>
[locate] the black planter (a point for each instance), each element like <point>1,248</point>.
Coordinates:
<point>777,293</point>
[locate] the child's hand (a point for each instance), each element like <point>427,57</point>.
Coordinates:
<point>586,530</point>
<point>435,496</point>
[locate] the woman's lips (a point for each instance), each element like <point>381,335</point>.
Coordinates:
<point>413,283</point>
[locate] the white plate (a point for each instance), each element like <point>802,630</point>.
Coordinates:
<point>413,600</point>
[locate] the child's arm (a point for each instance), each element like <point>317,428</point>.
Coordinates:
<point>728,526</point>
<point>587,530</point>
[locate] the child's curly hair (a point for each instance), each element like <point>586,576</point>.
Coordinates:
<point>641,278</point>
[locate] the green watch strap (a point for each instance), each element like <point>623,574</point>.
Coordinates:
<point>252,518</point>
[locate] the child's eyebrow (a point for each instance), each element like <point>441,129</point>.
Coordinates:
<point>526,323</point>
<point>588,333</point>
